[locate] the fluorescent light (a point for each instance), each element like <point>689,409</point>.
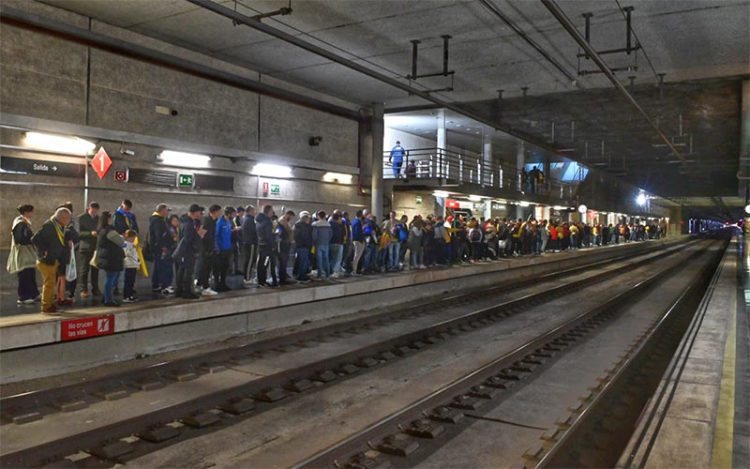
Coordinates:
<point>641,199</point>
<point>179,158</point>
<point>342,178</point>
<point>59,143</point>
<point>558,207</point>
<point>523,204</point>
<point>582,208</point>
<point>475,198</point>
<point>272,170</point>
<point>443,194</point>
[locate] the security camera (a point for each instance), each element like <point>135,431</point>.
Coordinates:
<point>127,152</point>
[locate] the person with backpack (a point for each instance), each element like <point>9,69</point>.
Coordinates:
<point>475,238</point>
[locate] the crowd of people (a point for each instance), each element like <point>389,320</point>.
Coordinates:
<point>192,255</point>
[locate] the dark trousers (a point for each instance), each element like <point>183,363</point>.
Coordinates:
<point>184,284</point>
<point>266,264</point>
<point>207,266</point>
<point>283,262</point>
<point>222,267</point>
<point>129,288</point>
<point>249,260</point>
<point>27,289</point>
<point>162,274</point>
<point>84,269</point>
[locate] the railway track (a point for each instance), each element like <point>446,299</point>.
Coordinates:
<point>594,432</point>
<point>128,438</point>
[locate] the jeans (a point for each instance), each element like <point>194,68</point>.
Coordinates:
<point>249,260</point>
<point>84,268</point>
<point>303,258</point>
<point>416,257</point>
<point>394,251</point>
<point>323,256</point>
<point>184,282</point>
<point>337,251</point>
<point>162,272</point>
<point>207,265</point>
<point>369,256</point>
<point>110,281</point>
<point>266,264</point>
<point>27,289</point>
<point>223,260</point>
<point>359,249</point>
<point>397,168</point>
<point>129,288</point>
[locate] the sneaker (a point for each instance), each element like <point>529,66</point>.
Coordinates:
<point>85,294</point>
<point>169,290</point>
<point>156,290</point>
<point>209,292</point>
<point>248,283</point>
<point>130,299</point>
<point>29,301</point>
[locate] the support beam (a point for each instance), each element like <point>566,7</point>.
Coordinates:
<point>378,127</point>
<point>441,136</point>
<point>571,29</point>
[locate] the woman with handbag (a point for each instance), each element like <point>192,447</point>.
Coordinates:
<point>22,259</point>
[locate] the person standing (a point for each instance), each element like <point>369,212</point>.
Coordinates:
<point>124,219</point>
<point>66,289</point>
<point>161,244</point>
<point>88,223</point>
<point>266,240</point>
<point>51,248</point>
<point>224,248</point>
<point>132,264</point>
<point>110,256</point>
<point>321,235</point>
<point>396,158</point>
<point>209,251</point>
<point>303,243</point>
<point>358,239</point>
<point>187,251</point>
<point>22,258</point>
<point>284,236</point>
<point>249,237</point>
<point>337,244</point>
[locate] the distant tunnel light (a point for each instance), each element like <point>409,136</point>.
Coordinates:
<point>523,203</point>
<point>341,178</point>
<point>179,158</point>
<point>475,198</point>
<point>443,194</point>
<point>58,143</point>
<point>641,199</point>
<point>272,170</point>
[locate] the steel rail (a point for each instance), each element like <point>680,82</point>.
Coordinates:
<point>42,400</point>
<point>98,437</point>
<point>331,456</point>
<point>571,29</point>
<point>552,457</point>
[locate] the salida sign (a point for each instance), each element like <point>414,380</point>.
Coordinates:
<point>83,328</point>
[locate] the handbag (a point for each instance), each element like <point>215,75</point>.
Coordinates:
<point>94,262</point>
<point>71,273</point>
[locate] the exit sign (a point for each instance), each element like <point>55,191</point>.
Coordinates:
<point>275,189</point>
<point>185,180</point>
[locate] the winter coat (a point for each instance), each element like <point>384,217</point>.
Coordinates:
<point>264,229</point>
<point>109,250</point>
<point>303,235</point>
<point>322,233</point>
<point>22,255</point>
<point>249,233</point>
<point>224,229</point>
<point>50,243</point>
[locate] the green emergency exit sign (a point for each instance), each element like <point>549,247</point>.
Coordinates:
<point>275,189</point>
<point>185,180</point>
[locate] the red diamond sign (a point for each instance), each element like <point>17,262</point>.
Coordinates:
<point>101,163</point>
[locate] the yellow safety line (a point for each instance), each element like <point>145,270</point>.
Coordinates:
<point>721,457</point>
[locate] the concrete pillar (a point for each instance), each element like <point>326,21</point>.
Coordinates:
<point>745,140</point>
<point>441,133</point>
<point>377,160</point>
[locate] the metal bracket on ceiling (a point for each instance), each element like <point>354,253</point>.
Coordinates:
<point>413,76</point>
<point>629,48</point>
<point>283,11</point>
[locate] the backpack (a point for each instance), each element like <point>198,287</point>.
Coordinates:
<point>475,235</point>
<point>403,234</point>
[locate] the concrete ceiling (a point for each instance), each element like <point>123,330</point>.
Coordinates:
<point>688,40</point>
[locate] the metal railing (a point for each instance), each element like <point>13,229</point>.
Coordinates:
<point>437,163</point>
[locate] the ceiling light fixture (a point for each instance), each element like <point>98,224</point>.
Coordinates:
<point>341,178</point>
<point>272,170</point>
<point>58,143</point>
<point>179,158</point>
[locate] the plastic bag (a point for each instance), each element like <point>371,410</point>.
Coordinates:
<point>71,272</point>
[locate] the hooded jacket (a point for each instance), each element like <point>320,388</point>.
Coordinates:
<point>123,221</point>
<point>303,235</point>
<point>264,229</point>
<point>158,233</point>
<point>224,229</point>
<point>249,233</point>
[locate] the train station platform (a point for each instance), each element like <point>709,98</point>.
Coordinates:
<point>36,345</point>
<point>699,415</point>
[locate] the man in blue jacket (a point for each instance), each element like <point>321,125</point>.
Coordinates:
<point>396,158</point>
<point>124,219</point>
<point>266,241</point>
<point>224,247</point>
